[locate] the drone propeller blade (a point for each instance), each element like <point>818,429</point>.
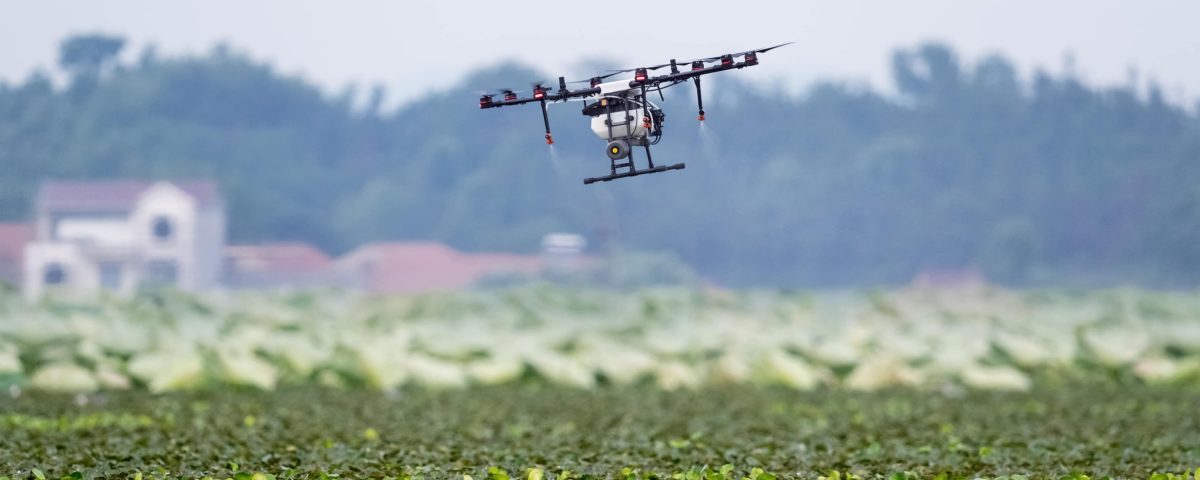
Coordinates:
<point>508,93</point>
<point>662,65</point>
<point>615,72</point>
<point>738,54</point>
<point>630,70</point>
<point>763,50</point>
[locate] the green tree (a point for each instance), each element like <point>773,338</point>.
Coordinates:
<point>87,54</point>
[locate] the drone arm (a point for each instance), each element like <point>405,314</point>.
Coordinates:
<point>546,122</point>
<point>549,97</point>
<point>694,75</point>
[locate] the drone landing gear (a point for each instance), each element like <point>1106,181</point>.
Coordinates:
<point>631,169</point>
<point>633,173</point>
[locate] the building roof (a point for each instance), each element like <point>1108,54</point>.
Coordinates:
<point>115,195</point>
<point>413,267</point>
<point>277,258</point>
<point>13,237</point>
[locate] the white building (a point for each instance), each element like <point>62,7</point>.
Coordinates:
<point>124,235</point>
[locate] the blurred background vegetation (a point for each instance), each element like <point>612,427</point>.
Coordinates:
<point>1035,181</point>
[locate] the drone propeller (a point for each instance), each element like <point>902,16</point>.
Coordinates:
<point>539,90</point>
<point>602,77</point>
<point>747,52</point>
<point>509,94</point>
<point>485,99</point>
<point>702,61</point>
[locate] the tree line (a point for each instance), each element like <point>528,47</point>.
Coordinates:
<point>1035,181</point>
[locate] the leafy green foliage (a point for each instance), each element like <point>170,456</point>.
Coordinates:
<point>532,432</point>
<point>671,338</point>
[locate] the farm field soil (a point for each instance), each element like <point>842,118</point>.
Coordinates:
<point>1096,429</point>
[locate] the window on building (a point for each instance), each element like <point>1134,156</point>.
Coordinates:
<point>110,275</point>
<point>161,273</point>
<point>54,274</point>
<point>163,229</point>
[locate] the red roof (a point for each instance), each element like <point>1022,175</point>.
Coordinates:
<point>429,266</point>
<point>115,195</point>
<point>13,237</point>
<point>277,258</point>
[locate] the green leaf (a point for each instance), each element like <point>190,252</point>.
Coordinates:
<point>38,474</point>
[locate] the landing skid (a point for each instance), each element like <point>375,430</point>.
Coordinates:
<point>632,169</point>
<point>633,173</point>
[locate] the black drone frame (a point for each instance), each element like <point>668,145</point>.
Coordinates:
<point>643,82</point>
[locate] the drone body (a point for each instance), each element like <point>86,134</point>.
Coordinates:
<point>621,112</point>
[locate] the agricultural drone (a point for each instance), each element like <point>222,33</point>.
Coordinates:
<point>620,110</point>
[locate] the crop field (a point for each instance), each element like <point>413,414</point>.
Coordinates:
<point>544,382</point>
<point>673,339</point>
<point>562,432</point>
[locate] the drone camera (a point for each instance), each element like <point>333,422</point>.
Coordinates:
<point>726,60</point>
<point>485,101</point>
<point>640,75</point>
<point>751,58</point>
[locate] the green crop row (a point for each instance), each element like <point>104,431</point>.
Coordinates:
<point>988,339</point>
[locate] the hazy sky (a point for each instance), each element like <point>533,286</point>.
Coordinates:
<point>414,46</point>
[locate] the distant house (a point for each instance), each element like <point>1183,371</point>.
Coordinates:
<point>279,265</point>
<point>13,237</point>
<point>420,267</point>
<point>122,235</point>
